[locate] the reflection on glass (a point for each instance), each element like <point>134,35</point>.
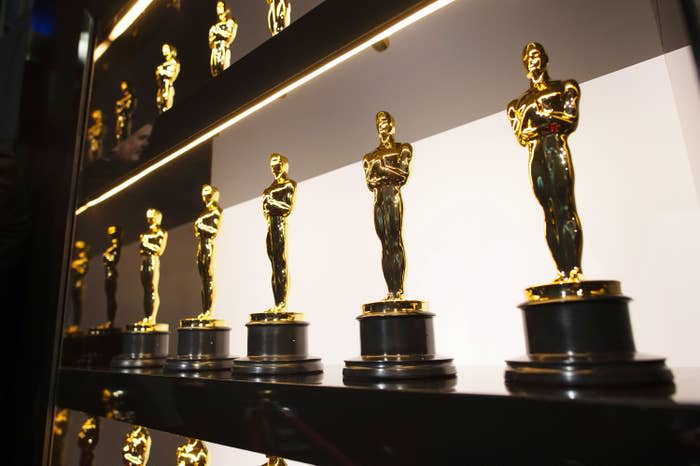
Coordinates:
<point>123,109</point>
<point>279,15</point>
<point>221,36</point>
<point>79,267</point>
<point>110,259</point>
<point>88,437</point>
<point>95,136</point>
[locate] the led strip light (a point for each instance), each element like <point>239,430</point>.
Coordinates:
<point>422,13</point>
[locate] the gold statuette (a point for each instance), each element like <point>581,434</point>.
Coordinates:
<point>386,171</point>
<point>221,36</point>
<point>59,428</point>
<point>279,15</point>
<point>110,259</point>
<point>153,243</point>
<point>166,74</point>
<point>193,453</point>
<point>88,437</point>
<point>275,461</point>
<point>95,136</point>
<point>137,447</point>
<point>206,228</point>
<point>278,202</point>
<point>542,120</point>
<point>79,266</point>
<point>123,110</point>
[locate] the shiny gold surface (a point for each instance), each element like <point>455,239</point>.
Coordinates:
<point>95,136</point>
<point>395,307</point>
<point>88,436</point>
<point>193,453</point>
<point>279,15</point>
<point>275,317</point>
<point>571,291</point>
<point>166,74</point>
<point>60,422</point>
<point>112,401</point>
<point>153,243</point>
<point>386,171</point>
<point>110,260</point>
<point>275,461</point>
<point>206,228</point>
<point>542,120</point>
<point>196,322</point>
<point>221,36</point>
<point>123,110</point>
<point>278,202</point>
<point>79,267</point>
<point>137,447</point>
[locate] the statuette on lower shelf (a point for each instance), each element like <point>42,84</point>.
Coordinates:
<point>277,338</point>
<point>192,453</point>
<point>279,15</point>
<point>145,343</point>
<point>396,334</point>
<point>203,341</point>
<point>137,447</point>
<point>578,331</point>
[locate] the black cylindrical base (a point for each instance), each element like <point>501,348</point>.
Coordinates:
<point>585,342</point>
<point>101,345</point>
<point>275,349</point>
<point>201,349</point>
<point>142,349</point>
<point>398,347</point>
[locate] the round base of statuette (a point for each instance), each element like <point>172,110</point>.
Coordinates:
<point>102,343</point>
<point>142,347</point>
<point>397,342</point>
<point>277,345</point>
<point>202,345</point>
<point>582,339</point>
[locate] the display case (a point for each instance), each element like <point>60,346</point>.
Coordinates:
<point>307,82</point>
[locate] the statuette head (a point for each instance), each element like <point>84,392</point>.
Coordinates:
<point>210,194</point>
<point>153,218</point>
<point>535,60</point>
<point>279,165</point>
<point>169,51</point>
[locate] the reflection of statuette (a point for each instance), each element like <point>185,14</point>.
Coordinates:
<point>153,243</point>
<point>60,425</point>
<point>166,74</point>
<point>110,259</point>
<point>396,335</point>
<point>137,447</point>
<point>275,461</point>
<point>95,135</point>
<point>542,120</point>
<point>123,109</point>
<point>192,453</point>
<point>79,266</point>
<point>277,338</point>
<point>221,36</point>
<point>578,332</point>
<point>279,15</point>
<point>203,341</point>
<point>88,437</point>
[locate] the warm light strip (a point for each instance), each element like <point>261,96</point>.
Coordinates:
<point>100,49</point>
<point>128,19</point>
<point>422,13</point>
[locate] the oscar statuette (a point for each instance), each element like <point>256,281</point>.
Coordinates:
<point>88,437</point>
<point>279,15</point>
<point>221,36</point>
<point>192,453</point>
<point>396,334</point>
<point>104,340</point>
<point>59,428</point>
<point>577,331</point>
<point>145,343</point>
<point>275,461</point>
<point>166,74</point>
<point>123,111</point>
<point>203,341</point>
<point>137,447</point>
<point>74,341</point>
<point>277,338</point>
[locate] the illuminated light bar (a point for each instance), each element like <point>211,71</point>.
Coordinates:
<point>128,19</point>
<point>422,13</point>
<point>100,49</point>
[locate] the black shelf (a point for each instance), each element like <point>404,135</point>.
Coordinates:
<point>473,419</point>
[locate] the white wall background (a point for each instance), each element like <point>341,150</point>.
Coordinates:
<point>474,233</point>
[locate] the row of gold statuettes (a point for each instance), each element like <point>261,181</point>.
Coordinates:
<point>221,36</point>
<point>137,445</point>
<point>578,332</point>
